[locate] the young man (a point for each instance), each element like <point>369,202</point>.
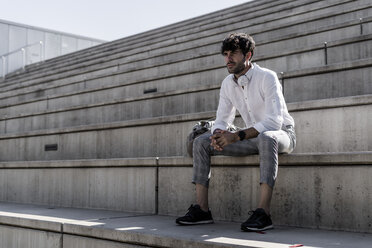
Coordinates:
<point>257,94</point>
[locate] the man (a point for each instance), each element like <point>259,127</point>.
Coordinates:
<point>257,94</point>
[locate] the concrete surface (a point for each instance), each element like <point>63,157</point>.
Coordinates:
<point>236,17</point>
<point>314,195</point>
<point>313,56</point>
<point>336,81</point>
<point>118,229</point>
<point>120,188</point>
<point>319,83</point>
<point>14,237</point>
<point>313,190</point>
<point>167,48</point>
<point>150,137</point>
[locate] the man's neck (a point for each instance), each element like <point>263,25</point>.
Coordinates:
<point>236,76</point>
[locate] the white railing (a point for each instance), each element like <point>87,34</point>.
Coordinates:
<point>21,57</point>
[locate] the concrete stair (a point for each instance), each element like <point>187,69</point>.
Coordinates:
<point>167,47</point>
<point>81,228</point>
<point>102,132</point>
<point>151,137</point>
<point>358,48</point>
<point>313,190</point>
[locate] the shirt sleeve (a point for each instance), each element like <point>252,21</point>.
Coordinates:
<point>274,104</point>
<point>225,111</point>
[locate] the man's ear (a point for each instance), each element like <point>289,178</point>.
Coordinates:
<point>248,56</point>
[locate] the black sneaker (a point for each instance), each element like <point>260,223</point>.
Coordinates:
<point>258,221</point>
<point>195,216</point>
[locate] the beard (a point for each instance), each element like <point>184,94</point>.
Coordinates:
<point>237,68</point>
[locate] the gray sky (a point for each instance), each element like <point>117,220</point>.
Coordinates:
<point>106,19</point>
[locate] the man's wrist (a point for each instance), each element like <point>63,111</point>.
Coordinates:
<point>241,135</point>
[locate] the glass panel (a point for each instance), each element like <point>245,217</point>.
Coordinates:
<point>52,46</point>
<point>69,44</point>
<point>2,68</point>
<point>17,37</point>
<point>33,53</point>
<point>4,40</point>
<point>82,44</point>
<point>15,61</point>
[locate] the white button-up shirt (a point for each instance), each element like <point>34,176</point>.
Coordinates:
<point>261,103</point>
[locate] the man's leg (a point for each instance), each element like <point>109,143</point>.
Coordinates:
<point>202,197</point>
<point>199,213</point>
<point>270,143</point>
<point>266,193</point>
<point>202,151</point>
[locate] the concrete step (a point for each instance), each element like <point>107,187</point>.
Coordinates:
<point>316,55</point>
<point>337,80</point>
<point>165,46</point>
<point>89,108</point>
<point>41,227</point>
<point>93,80</point>
<point>312,190</point>
<point>316,121</point>
<point>220,20</point>
<point>204,68</point>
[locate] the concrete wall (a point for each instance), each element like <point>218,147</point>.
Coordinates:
<point>14,237</point>
<point>124,189</point>
<point>71,241</point>
<point>315,190</point>
<point>306,196</point>
<point>347,130</point>
<point>359,49</point>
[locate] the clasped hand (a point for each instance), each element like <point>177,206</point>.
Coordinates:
<point>222,138</point>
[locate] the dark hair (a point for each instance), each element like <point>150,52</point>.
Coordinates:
<point>241,41</point>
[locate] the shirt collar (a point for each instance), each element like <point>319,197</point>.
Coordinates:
<point>248,74</point>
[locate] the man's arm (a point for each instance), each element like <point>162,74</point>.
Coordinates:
<point>225,111</point>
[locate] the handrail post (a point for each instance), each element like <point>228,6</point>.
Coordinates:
<point>41,51</point>
<point>361,25</point>
<point>325,53</point>
<point>23,58</point>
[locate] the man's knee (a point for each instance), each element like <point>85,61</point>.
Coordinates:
<point>267,139</point>
<point>203,141</point>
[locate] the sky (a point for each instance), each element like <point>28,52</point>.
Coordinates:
<point>107,19</point>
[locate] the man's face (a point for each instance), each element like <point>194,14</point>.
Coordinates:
<point>235,61</point>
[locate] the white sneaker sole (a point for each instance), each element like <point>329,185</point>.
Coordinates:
<point>258,229</point>
<point>196,223</point>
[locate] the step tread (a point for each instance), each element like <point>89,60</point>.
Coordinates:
<point>162,231</point>
<point>298,159</point>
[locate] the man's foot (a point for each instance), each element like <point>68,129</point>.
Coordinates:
<point>195,216</point>
<point>258,221</point>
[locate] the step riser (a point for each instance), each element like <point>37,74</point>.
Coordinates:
<point>328,85</point>
<point>14,237</point>
<point>122,189</point>
<point>345,131</point>
<point>326,197</point>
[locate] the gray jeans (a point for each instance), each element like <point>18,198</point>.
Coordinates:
<point>267,144</point>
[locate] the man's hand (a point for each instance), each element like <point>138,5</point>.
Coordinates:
<point>222,138</point>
